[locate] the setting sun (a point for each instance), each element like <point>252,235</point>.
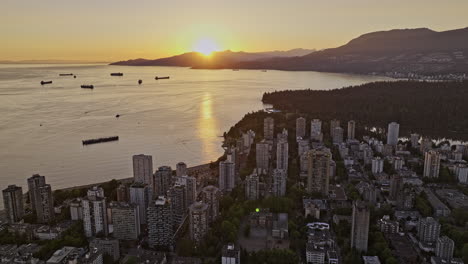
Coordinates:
<point>206,46</point>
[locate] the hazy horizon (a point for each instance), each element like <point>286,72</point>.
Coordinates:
<point>57,30</point>
<point>52,61</point>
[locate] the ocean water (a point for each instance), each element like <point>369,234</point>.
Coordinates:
<point>180,119</point>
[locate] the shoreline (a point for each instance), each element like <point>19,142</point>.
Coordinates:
<point>197,168</point>
<point>194,169</point>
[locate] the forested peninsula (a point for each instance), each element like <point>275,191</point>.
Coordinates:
<point>436,109</point>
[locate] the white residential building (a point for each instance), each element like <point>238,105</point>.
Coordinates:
<point>337,135</point>
<point>377,165</point>
<point>316,130</point>
<point>431,164</point>
<point>393,133</point>
<point>462,173</point>
<point>95,213</point>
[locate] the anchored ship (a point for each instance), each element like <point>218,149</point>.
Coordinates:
<point>99,140</point>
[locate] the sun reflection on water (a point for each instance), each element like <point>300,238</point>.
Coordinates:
<point>207,127</point>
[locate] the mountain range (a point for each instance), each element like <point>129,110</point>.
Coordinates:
<point>420,50</point>
<point>219,59</point>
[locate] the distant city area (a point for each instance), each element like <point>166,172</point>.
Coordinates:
<point>290,188</point>
<point>424,77</point>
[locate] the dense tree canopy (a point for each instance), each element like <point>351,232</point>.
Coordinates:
<point>436,109</point>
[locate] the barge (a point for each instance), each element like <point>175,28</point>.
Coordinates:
<point>99,140</point>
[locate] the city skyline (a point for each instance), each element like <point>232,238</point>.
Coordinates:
<point>153,30</point>
<point>234,132</point>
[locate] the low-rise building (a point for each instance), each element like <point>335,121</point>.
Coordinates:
<point>315,254</point>
<point>313,207</point>
<point>143,256</point>
<point>401,250</point>
<point>438,260</point>
<point>371,259</point>
<point>22,254</point>
<point>280,226</point>
<point>230,254</point>
<point>184,260</point>
<point>440,209</point>
<point>64,254</point>
<point>76,209</point>
<point>454,198</point>
<point>428,233</point>
<point>108,246</point>
<point>46,232</point>
<point>320,247</point>
<point>388,226</point>
<point>93,256</point>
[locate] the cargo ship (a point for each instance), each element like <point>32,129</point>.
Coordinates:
<point>86,86</point>
<point>116,74</point>
<point>161,78</point>
<point>65,74</point>
<point>99,140</point>
<point>46,82</point>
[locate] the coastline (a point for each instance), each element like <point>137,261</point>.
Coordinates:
<point>194,169</point>
<point>198,169</point>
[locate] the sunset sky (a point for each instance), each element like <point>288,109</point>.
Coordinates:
<point>110,30</point>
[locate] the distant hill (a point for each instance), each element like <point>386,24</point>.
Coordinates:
<point>436,109</point>
<point>216,60</point>
<point>401,50</point>
<point>421,51</point>
<point>51,62</point>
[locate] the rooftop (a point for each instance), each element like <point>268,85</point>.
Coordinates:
<point>60,255</point>
<point>405,214</point>
<point>210,188</point>
<point>371,259</point>
<point>454,198</point>
<point>337,193</point>
<point>161,201</point>
<point>230,251</point>
<point>143,256</point>
<point>434,201</point>
<point>185,260</point>
<point>198,206</point>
